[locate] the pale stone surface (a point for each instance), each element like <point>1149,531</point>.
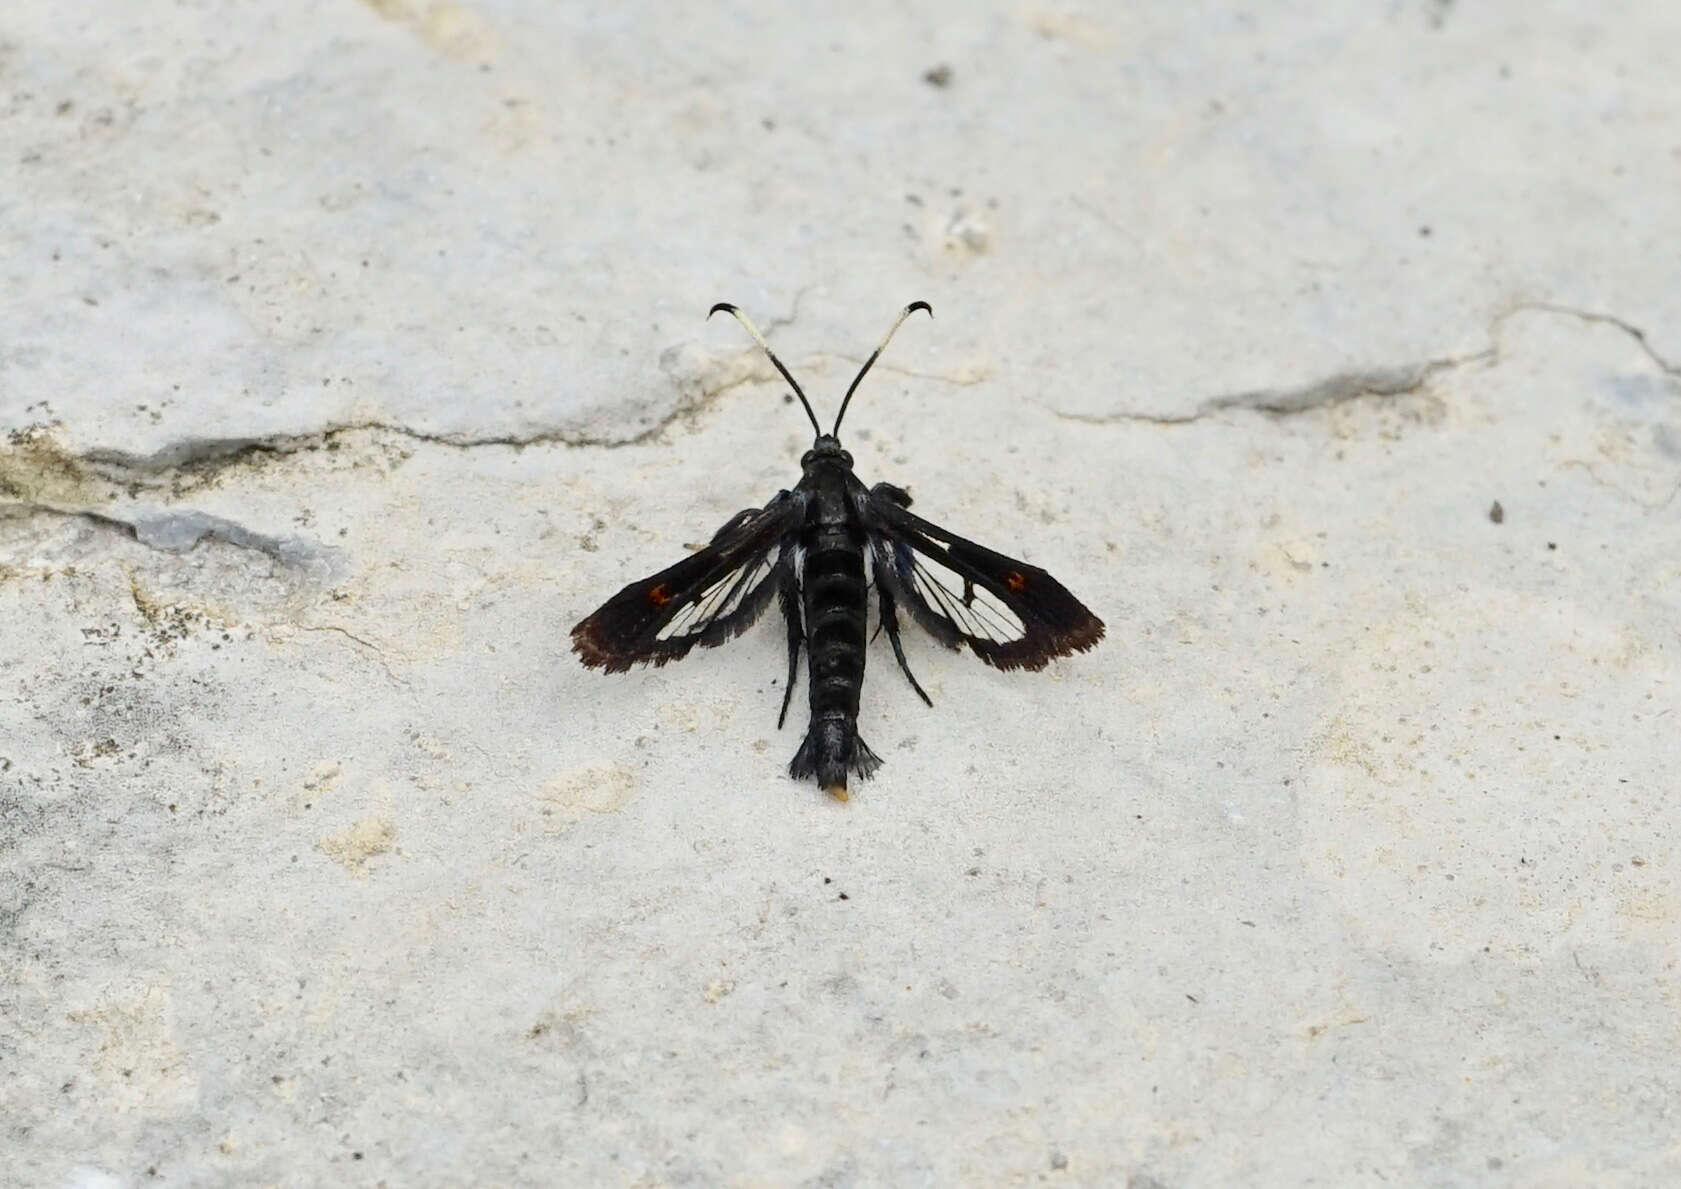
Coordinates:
<point>351,353</point>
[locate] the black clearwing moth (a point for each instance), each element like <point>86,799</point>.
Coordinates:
<point>807,550</point>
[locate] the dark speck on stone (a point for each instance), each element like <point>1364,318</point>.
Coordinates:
<point>938,76</point>
<point>1496,513</point>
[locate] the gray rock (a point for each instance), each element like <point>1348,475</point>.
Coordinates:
<point>352,353</point>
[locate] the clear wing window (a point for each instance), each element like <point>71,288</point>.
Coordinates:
<point>723,598</point>
<point>973,610</point>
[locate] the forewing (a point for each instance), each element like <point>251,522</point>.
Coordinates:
<point>1012,615</point>
<point>707,598</point>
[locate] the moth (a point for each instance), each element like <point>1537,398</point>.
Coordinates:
<point>807,549</point>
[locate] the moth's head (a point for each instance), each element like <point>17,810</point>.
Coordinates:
<point>826,448</point>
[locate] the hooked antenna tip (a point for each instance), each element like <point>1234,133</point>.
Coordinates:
<point>723,305</point>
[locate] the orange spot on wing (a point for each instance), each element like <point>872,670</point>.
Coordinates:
<point>658,595</point>
<point>1015,581</point>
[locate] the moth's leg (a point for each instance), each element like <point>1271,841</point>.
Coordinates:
<point>890,621</point>
<point>788,592</point>
<point>892,494</point>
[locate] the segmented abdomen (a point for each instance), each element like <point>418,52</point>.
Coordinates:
<point>835,592</point>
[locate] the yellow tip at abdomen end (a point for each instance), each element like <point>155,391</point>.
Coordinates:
<point>838,792</point>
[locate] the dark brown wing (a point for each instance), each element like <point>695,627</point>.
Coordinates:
<point>704,599</point>
<point>1012,615</point>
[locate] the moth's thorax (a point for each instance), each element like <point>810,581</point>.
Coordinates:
<point>826,451</point>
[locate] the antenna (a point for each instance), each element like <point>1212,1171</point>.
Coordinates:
<point>760,339</point>
<point>882,346</point>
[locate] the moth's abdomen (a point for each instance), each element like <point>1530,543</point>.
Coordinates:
<point>834,614</point>
<point>835,594</point>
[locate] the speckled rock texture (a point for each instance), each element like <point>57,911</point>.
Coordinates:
<point>351,352</point>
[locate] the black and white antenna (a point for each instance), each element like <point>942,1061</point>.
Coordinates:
<point>880,347</point>
<point>795,384</point>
